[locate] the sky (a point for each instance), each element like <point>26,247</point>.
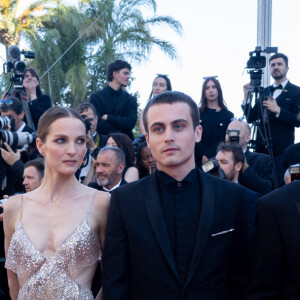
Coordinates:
<point>217,38</point>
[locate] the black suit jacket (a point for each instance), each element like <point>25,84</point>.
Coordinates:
<point>259,176</point>
<point>282,127</point>
<point>291,155</point>
<point>121,110</point>
<point>138,262</point>
<point>276,262</point>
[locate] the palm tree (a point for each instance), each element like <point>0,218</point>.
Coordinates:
<point>123,32</point>
<point>14,25</point>
<point>67,81</point>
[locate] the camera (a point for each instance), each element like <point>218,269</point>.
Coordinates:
<point>17,66</point>
<point>233,135</point>
<point>7,121</point>
<point>257,63</point>
<point>15,139</point>
<point>212,167</point>
<point>87,123</point>
<point>294,170</point>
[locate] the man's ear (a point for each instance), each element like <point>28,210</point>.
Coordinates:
<point>238,166</point>
<point>121,168</point>
<point>198,133</point>
<point>115,74</point>
<point>21,115</point>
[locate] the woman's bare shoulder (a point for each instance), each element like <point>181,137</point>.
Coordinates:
<point>13,207</point>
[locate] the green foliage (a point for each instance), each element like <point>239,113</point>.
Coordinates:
<point>121,31</point>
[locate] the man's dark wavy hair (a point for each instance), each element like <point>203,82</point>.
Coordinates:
<point>116,65</point>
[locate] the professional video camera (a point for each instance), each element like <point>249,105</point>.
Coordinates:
<point>257,63</point>
<point>7,121</point>
<point>17,66</point>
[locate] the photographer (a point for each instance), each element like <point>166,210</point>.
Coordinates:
<point>95,142</point>
<point>12,159</point>
<point>282,109</point>
<point>32,93</point>
<point>256,173</point>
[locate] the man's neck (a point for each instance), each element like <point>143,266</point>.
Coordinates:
<point>177,173</point>
<point>115,86</point>
<point>279,81</point>
<point>115,183</point>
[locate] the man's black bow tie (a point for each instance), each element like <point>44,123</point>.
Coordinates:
<point>273,88</point>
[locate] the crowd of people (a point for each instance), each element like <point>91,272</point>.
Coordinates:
<point>185,210</point>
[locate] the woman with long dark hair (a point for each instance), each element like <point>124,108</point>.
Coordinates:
<point>214,119</point>
<point>38,102</point>
<point>161,83</point>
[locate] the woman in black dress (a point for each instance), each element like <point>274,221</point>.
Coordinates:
<point>214,119</point>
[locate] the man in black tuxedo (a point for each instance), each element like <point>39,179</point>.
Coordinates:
<point>177,233</point>
<point>283,109</point>
<point>109,168</point>
<point>276,263</point>
<point>256,173</point>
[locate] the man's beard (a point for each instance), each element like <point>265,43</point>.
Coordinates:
<point>103,181</point>
<point>230,176</point>
<point>278,76</point>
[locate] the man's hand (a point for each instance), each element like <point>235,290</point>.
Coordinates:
<point>245,166</point>
<point>104,117</point>
<point>90,143</point>
<point>9,156</point>
<point>245,89</point>
<point>271,105</point>
<point>204,159</point>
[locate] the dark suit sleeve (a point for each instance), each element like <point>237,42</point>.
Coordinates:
<point>115,257</point>
<point>251,113</point>
<point>125,122</point>
<point>266,281</point>
<point>240,252</point>
<point>18,170</point>
<point>291,116</point>
<point>261,183</point>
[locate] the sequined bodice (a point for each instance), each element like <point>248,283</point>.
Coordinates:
<point>51,278</point>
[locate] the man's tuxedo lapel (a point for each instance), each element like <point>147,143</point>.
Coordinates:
<point>287,93</point>
<point>204,224</point>
<point>155,214</point>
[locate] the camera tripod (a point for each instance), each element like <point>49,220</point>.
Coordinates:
<point>261,124</point>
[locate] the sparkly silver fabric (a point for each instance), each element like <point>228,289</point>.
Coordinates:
<point>51,278</point>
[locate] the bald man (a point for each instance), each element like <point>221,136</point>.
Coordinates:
<point>256,173</point>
